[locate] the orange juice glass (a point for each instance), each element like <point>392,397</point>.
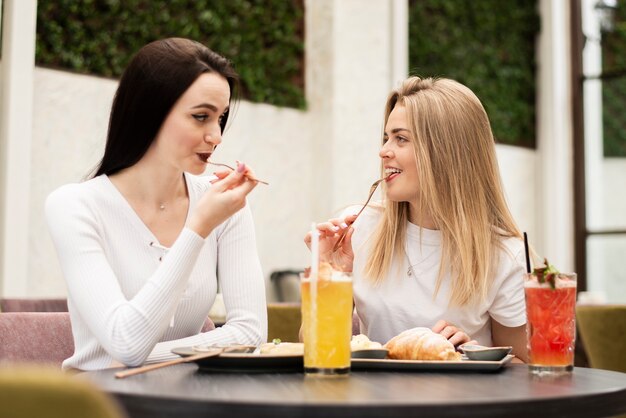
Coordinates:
<point>551,323</point>
<point>327,325</point>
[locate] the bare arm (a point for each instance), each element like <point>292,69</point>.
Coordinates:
<point>515,337</point>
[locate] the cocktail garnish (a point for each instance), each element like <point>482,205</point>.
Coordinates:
<point>546,273</point>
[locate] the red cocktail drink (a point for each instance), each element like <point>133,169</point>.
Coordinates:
<point>551,324</point>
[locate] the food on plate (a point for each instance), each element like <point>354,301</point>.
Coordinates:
<point>361,342</point>
<point>280,348</point>
<point>421,344</point>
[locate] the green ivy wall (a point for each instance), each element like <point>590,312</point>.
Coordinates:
<point>263,38</point>
<point>488,45</point>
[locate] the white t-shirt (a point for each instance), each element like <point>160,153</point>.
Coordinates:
<point>131,300</point>
<point>404,301</point>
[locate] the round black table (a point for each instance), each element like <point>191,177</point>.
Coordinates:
<point>183,391</point>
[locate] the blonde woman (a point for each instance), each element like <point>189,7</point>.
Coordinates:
<point>442,250</point>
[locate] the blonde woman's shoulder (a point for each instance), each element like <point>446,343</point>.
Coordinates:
<point>512,250</point>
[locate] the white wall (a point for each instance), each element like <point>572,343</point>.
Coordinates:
<point>518,168</point>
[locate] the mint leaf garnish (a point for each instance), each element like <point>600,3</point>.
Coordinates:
<point>546,273</point>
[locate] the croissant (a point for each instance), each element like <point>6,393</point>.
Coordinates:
<point>421,344</point>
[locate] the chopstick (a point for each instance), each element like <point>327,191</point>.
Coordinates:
<point>150,367</point>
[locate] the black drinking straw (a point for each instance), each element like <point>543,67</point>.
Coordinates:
<point>526,252</point>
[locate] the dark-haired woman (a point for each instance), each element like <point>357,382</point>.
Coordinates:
<point>143,243</point>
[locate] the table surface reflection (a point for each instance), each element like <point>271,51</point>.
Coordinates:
<point>184,391</point>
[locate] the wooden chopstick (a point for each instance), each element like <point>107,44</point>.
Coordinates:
<point>143,369</point>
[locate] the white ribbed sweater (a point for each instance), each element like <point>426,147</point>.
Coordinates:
<point>128,306</point>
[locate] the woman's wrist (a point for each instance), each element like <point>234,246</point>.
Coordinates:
<point>201,228</point>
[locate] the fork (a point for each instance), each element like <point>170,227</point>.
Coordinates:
<point>248,177</point>
<point>345,231</point>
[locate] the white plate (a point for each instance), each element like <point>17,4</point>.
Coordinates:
<point>463,365</point>
<point>243,362</point>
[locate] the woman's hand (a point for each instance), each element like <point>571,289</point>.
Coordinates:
<point>329,233</point>
<point>222,200</point>
<point>455,335</point>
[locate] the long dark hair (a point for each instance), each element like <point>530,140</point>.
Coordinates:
<point>153,81</point>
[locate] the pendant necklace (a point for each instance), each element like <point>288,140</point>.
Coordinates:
<point>410,271</point>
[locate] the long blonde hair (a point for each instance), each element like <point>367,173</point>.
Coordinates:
<point>459,186</point>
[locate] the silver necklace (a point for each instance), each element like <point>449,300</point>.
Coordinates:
<point>410,271</point>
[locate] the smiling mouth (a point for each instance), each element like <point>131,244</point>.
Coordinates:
<point>391,173</point>
<point>204,156</point>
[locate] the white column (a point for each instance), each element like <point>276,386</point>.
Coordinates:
<point>399,49</point>
<point>320,26</point>
<point>18,62</point>
<point>555,147</point>
<point>355,54</point>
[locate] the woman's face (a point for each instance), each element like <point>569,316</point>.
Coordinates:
<point>400,166</point>
<point>191,130</point>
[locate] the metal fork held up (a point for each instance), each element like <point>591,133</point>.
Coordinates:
<point>248,177</point>
<point>345,231</point>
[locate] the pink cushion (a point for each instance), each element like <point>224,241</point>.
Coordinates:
<point>208,325</point>
<point>35,337</point>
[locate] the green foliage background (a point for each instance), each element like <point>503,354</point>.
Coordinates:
<point>263,38</point>
<point>614,89</point>
<point>488,45</point>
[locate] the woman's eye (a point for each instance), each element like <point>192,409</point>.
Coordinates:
<point>200,117</point>
<point>402,139</point>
